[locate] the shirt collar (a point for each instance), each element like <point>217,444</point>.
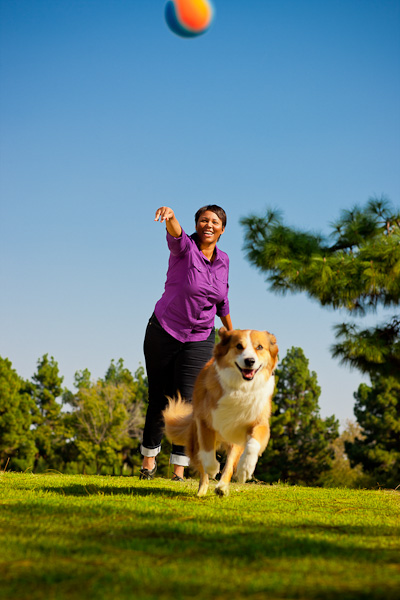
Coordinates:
<point>217,251</point>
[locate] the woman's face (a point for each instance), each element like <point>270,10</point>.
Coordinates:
<point>209,227</point>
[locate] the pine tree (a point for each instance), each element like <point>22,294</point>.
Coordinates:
<point>50,430</point>
<point>299,451</point>
<point>377,410</point>
<point>358,270</point>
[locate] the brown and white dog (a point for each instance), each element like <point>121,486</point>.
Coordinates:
<point>231,408</point>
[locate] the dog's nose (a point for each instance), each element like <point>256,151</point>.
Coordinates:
<point>249,362</point>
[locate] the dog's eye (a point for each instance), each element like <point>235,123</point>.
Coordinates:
<point>240,347</point>
<point>259,347</point>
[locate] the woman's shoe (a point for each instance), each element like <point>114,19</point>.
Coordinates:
<point>177,478</point>
<point>146,473</point>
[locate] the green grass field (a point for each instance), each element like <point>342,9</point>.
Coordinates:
<point>91,537</point>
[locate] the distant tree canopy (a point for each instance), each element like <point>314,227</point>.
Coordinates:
<point>356,268</point>
<point>342,474</point>
<point>95,429</point>
<point>17,442</point>
<point>107,415</point>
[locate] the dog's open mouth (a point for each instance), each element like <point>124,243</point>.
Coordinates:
<point>248,374</point>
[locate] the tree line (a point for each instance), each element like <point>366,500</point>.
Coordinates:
<point>97,428</point>
<point>93,429</point>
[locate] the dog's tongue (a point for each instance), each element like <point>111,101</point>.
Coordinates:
<point>248,373</point>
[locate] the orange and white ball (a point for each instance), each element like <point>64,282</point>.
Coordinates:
<point>189,18</point>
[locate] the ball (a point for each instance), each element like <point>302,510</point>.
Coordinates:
<point>189,18</point>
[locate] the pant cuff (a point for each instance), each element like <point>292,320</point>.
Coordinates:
<point>179,460</point>
<point>150,452</point>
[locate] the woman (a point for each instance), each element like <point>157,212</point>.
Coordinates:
<point>180,334</point>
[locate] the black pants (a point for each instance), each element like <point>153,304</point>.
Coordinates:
<point>171,366</point>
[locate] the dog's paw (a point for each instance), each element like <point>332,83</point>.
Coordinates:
<point>242,475</point>
<point>210,463</point>
<point>246,469</point>
<point>248,461</point>
<point>222,489</point>
<point>202,491</point>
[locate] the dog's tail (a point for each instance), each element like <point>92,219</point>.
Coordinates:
<point>178,418</point>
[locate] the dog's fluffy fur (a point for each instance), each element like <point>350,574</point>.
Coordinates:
<point>231,408</point>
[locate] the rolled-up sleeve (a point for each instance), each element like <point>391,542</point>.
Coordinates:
<point>178,245</point>
<point>223,307</point>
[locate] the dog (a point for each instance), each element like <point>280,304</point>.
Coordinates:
<point>231,408</point>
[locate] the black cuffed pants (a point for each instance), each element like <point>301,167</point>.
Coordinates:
<point>172,366</point>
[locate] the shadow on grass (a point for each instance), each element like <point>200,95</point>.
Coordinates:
<point>192,533</point>
<point>150,557</point>
<point>82,490</point>
<point>73,551</point>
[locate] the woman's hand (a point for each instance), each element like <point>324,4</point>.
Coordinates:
<point>165,213</point>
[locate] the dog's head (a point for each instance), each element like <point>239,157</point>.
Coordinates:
<point>247,353</point>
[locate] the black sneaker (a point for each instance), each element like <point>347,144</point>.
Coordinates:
<point>146,474</point>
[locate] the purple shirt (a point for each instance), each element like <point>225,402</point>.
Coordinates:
<point>195,290</point>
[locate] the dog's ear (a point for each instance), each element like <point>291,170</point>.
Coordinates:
<point>223,345</point>
<point>224,336</point>
<point>273,347</point>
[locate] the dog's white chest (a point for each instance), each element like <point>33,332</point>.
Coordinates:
<point>237,410</point>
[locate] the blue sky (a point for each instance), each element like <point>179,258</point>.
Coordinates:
<point>106,115</point>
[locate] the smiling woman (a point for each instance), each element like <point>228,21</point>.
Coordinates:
<point>210,225</point>
<point>180,334</point>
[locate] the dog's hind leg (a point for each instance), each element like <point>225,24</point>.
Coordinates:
<point>233,455</point>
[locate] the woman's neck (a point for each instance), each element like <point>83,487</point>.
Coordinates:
<point>209,252</point>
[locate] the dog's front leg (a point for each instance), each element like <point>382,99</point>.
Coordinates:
<point>256,443</point>
<point>203,485</point>
<point>232,458</point>
<point>209,463</point>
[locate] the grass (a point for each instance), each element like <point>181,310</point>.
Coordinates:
<point>91,537</point>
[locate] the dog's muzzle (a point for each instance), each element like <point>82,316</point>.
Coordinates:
<point>248,374</point>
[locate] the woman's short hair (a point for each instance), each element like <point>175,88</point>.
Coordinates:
<point>221,214</point>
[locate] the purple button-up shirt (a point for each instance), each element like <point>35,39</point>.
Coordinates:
<point>195,290</point>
